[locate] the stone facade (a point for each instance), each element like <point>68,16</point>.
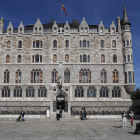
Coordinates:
<point>47,33</point>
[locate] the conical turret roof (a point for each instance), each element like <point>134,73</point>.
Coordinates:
<point>125,17</point>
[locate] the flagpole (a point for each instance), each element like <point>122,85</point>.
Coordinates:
<point>61,11</point>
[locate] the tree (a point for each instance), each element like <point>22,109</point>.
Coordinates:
<point>135,95</point>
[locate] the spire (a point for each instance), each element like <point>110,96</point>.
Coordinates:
<point>125,17</point>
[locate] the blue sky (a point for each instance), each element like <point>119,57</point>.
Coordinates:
<point>94,11</point>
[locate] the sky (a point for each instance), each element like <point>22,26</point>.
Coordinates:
<point>93,11</point>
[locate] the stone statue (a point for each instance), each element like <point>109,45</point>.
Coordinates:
<point>59,83</point>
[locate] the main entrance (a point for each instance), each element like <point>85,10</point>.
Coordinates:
<point>60,102</point>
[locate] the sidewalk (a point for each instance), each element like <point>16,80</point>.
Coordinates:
<point>46,129</point>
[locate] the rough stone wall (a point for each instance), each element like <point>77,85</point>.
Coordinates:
<point>74,65</point>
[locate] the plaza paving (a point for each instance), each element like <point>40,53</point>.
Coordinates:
<point>47,129</point>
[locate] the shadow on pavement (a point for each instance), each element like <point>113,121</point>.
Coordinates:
<point>117,126</point>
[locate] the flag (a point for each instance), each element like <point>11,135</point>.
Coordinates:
<point>63,8</point>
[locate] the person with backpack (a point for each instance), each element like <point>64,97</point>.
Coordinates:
<point>22,115</point>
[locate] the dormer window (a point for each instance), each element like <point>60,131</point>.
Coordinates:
<point>9,30</point>
<point>35,30</point>
<point>40,30</point>
<point>113,31</point>
<point>81,29</point>
<point>86,29</point>
<point>20,30</point>
<point>66,29</point>
<point>101,30</point>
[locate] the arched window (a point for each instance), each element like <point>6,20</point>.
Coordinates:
<point>116,92</point>
<point>79,92</point>
<point>54,58</point>
<point>6,76</point>
<point>86,29</point>
<point>42,92</point>
<point>87,43</point>
<point>5,92</point>
<point>54,44</point>
<point>102,58</point>
<point>84,58</point>
<point>36,30</point>
<point>113,31</point>
<point>103,76</point>
<point>128,57</point>
<point>84,43</point>
<point>67,43</point>
<point>54,76</point>
<point>9,30</point>
<point>82,30</point>
<point>91,91</point>
<point>67,76</point>
<point>113,44</point>
<point>66,58</point>
<point>85,76</point>
<point>115,76</point>
<point>37,58</point>
<point>18,76</point>
<point>114,58</point>
<point>20,44</point>
<point>127,42</point>
<point>30,92</point>
<point>8,44</point>
<point>37,44</point>
<point>18,92</point>
<point>80,43</point>
<point>40,29</point>
<point>19,59</point>
<point>7,59</point>
<point>102,44</point>
<point>101,30</point>
<point>104,92</point>
<point>36,76</point>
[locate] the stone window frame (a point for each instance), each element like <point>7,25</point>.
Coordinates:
<point>114,42</point>
<point>87,44</point>
<point>42,92</point>
<point>17,92</point>
<point>87,58</point>
<point>102,58</point>
<point>114,58</point>
<point>54,76</point>
<point>66,58</point>
<point>104,92</point>
<point>113,30</point>
<point>36,76</point>
<point>30,92</point>
<point>34,43</point>
<point>85,76</point>
<point>102,46</point>
<point>55,40</point>
<point>115,76</point>
<point>54,57</point>
<point>9,46</point>
<point>8,58</point>
<point>18,76</point>
<point>19,57</point>
<point>67,76</point>
<point>6,76</point>
<point>130,79</point>
<point>103,76</point>
<point>91,91</point>
<point>67,46</point>
<point>5,92</point>
<point>79,92</point>
<point>34,57</point>
<point>116,92</point>
<point>20,42</point>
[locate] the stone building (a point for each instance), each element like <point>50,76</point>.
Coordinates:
<point>95,64</point>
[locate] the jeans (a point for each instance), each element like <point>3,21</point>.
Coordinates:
<point>124,122</point>
<point>22,118</point>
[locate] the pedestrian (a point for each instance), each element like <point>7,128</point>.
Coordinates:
<point>60,112</point>
<point>85,114</point>
<point>82,114</point>
<point>22,115</point>
<point>131,118</point>
<point>124,120</point>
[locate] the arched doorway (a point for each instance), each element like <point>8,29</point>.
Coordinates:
<point>60,102</point>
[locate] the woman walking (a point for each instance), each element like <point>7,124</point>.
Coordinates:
<point>131,118</point>
<point>124,120</point>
